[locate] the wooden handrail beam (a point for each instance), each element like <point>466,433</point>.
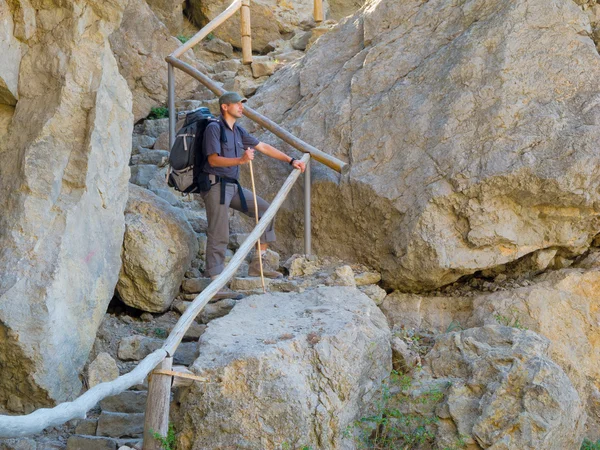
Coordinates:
<point>330,161</point>
<point>18,426</point>
<point>206,30</point>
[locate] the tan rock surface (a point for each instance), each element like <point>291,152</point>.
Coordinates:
<point>158,248</point>
<point>141,45</point>
<point>456,136</point>
<point>11,57</point>
<point>300,377</point>
<point>63,189</point>
<point>505,392</point>
<point>562,306</point>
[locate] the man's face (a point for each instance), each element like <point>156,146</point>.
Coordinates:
<point>234,109</point>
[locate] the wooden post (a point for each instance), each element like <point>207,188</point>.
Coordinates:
<point>318,11</point>
<point>157,406</point>
<point>246,33</point>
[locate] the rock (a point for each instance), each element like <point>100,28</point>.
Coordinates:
<point>543,258</point>
<point>193,333</point>
<point>271,19</point>
<point>505,391</point>
<point>11,58</point>
<point>141,140</point>
<point>136,348</point>
<point>155,127</point>
<point>141,45</point>
<point>170,13</point>
<point>219,47</point>
<point>237,239</point>
<point>232,65</point>
<point>339,9</point>
<point>263,66</point>
<point>437,124</point>
<point>559,306</point>
<point>18,444</point>
<point>215,310</point>
<point>403,358</point>
<point>319,31</point>
<point>300,40</point>
<point>343,276</point>
<point>87,427</point>
<point>147,317</point>
<point>193,273</point>
<point>103,368</point>
<point>162,142</point>
<point>90,443</point>
<point>120,424</point>
<point>155,157</point>
<point>158,248</point>
<point>195,285</point>
<point>63,188</point>
<point>125,402</point>
<point>142,174</point>
<point>302,375</point>
<point>299,266</point>
<point>366,278</point>
<point>248,283</point>
<point>374,292</point>
<point>180,306</point>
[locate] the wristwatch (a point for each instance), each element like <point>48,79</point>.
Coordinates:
<point>292,161</point>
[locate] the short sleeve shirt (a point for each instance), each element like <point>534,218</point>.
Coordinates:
<point>238,139</point>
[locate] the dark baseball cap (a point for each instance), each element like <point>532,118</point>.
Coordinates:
<point>231,97</point>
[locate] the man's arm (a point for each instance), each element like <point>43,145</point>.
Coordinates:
<point>221,161</point>
<point>271,151</point>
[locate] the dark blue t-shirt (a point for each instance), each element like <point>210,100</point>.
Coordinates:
<point>238,139</point>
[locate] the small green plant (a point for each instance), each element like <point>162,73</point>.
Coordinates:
<point>392,428</point>
<point>512,321</point>
<point>182,38</point>
<point>159,112</point>
<point>287,446</point>
<point>167,442</point>
<point>589,445</point>
<point>210,36</point>
<point>160,333</point>
<point>454,325</point>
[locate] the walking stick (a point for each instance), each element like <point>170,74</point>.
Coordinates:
<point>262,278</point>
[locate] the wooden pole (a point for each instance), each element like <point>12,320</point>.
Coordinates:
<point>330,161</point>
<point>156,419</point>
<point>318,11</point>
<point>262,277</point>
<point>246,33</point>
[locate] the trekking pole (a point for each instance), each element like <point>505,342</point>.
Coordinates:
<point>262,278</point>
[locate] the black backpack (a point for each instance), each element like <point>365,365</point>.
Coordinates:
<point>187,158</point>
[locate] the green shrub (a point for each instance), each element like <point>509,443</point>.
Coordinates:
<point>167,442</point>
<point>183,39</point>
<point>392,428</point>
<point>589,445</point>
<point>159,112</point>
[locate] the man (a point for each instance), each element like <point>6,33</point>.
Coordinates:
<point>228,146</point>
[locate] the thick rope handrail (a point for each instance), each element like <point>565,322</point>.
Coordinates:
<point>18,426</point>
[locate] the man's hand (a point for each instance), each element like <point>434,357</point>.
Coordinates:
<point>247,156</point>
<point>297,164</point>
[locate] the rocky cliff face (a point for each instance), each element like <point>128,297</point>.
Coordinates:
<point>65,139</point>
<point>470,128</point>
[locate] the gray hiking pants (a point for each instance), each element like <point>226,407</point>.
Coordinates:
<point>218,223</point>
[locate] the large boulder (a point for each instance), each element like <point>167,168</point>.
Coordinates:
<point>270,19</point>
<point>504,391</point>
<point>63,189</point>
<point>170,13</point>
<point>562,306</point>
<point>141,45</point>
<point>470,127</point>
<point>158,248</point>
<point>292,369</point>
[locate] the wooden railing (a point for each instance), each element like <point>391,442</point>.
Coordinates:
<point>157,406</point>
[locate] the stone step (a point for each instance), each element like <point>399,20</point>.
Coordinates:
<point>125,402</point>
<point>82,442</point>
<point>120,425</point>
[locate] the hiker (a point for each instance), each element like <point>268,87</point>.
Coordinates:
<point>226,153</point>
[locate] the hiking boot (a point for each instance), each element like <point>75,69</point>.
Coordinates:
<point>268,271</point>
<point>225,292</point>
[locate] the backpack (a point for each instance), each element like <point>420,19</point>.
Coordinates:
<point>186,158</point>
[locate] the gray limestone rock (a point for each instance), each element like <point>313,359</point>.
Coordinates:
<point>125,402</point>
<point>291,367</point>
<point>455,135</point>
<point>158,248</point>
<point>120,424</point>
<point>63,189</point>
<point>91,443</point>
<point>103,368</point>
